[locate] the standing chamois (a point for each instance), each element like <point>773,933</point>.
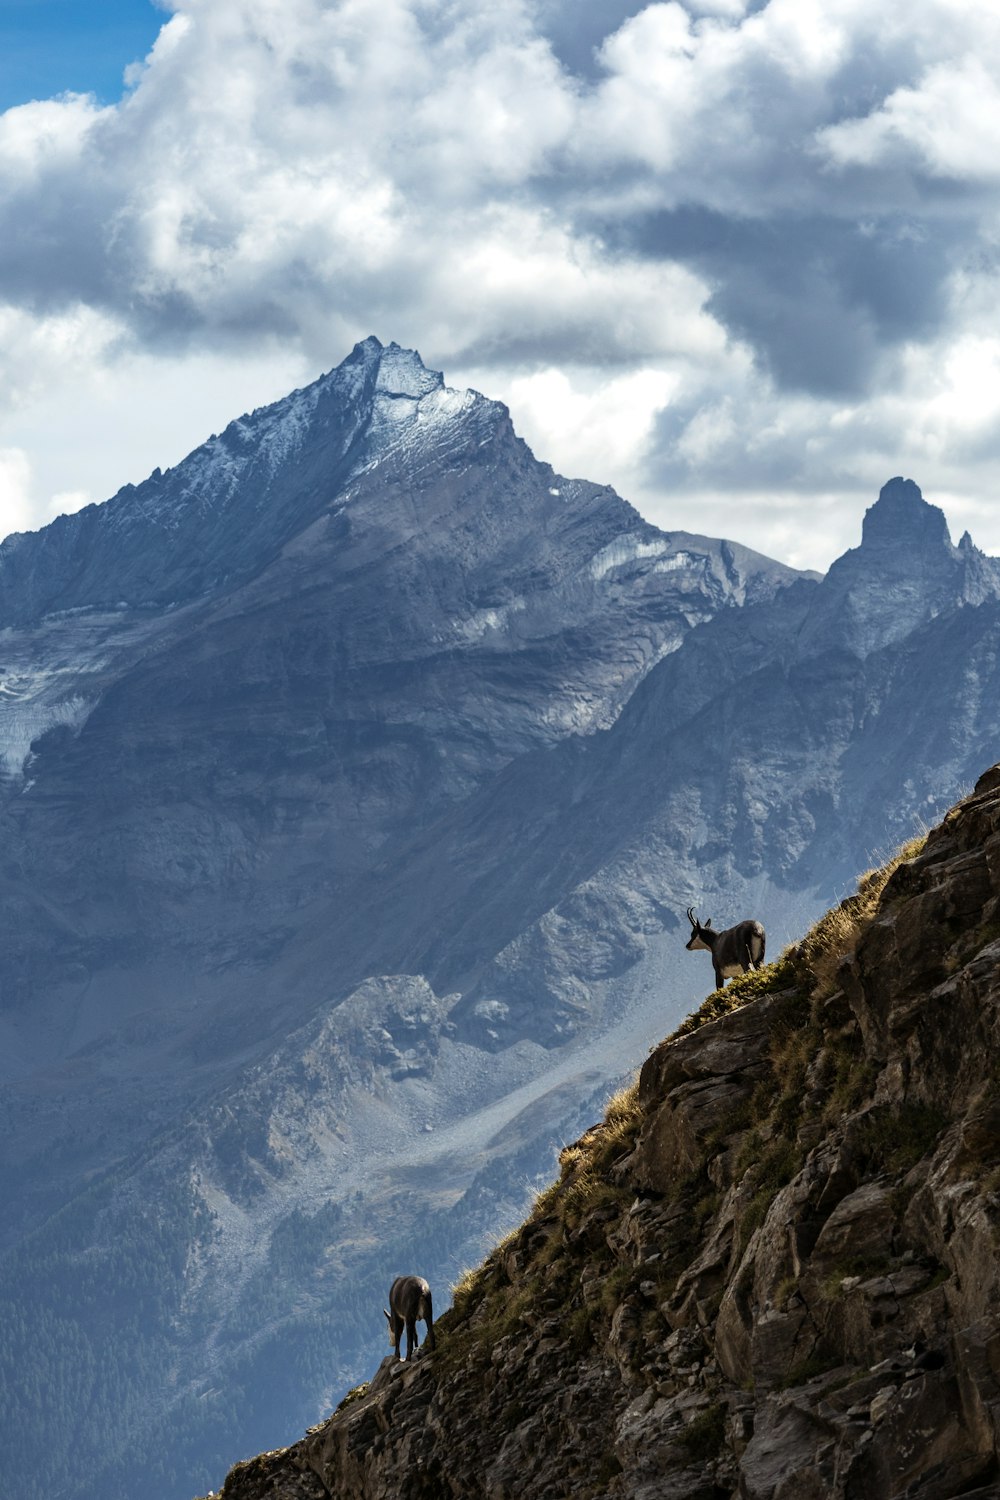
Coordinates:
<point>409,1299</point>
<point>734,951</point>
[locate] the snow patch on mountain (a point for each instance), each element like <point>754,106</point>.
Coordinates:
<point>24,719</point>
<point>412,408</point>
<point>626,549</point>
<point>483,621</point>
<point>678,561</point>
<point>403,373</point>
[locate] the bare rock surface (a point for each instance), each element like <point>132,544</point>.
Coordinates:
<point>770,1274</point>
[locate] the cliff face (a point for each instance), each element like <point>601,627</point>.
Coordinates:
<point>770,1273</point>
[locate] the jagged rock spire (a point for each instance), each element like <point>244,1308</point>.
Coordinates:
<point>902,517</point>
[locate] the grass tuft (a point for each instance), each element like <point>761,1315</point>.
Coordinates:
<point>355,1394</point>
<point>835,936</point>
<point>703,1438</point>
<point>896,1138</point>
<point>741,991</point>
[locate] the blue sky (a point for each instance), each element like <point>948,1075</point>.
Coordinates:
<point>50,46</point>
<point>738,258</point>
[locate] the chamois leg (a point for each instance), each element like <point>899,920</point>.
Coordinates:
<point>430,1340</point>
<point>397,1328</point>
<point>411,1336</point>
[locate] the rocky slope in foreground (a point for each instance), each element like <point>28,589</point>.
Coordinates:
<point>771,1272</point>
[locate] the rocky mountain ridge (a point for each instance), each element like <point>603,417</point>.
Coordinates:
<point>770,1273</point>
<point>344,863</point>
<point>402,600</point>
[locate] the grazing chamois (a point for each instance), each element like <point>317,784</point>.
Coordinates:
<point>733,950</point>
<point>409,1299</point>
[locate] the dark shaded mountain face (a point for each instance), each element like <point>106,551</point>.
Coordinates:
<point>356,774</point>
<point>216,750</point>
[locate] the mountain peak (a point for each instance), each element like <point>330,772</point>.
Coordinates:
<point>402,372</point>
<point>902,515</point>
<point>905,572</point>
<point>399,371</point>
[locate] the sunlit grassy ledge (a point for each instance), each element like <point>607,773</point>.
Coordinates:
<point>489,1299</point>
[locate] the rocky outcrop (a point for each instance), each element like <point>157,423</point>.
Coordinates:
<point>771,1273</point>
<point>906,561</point>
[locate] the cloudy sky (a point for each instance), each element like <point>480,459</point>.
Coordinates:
<point>739,258</point>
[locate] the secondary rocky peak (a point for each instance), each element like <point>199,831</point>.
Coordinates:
<point>901,515</point>
<point>905,572</point>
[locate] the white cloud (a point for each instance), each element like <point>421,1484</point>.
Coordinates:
<point>601,433</point>
<point>65,502</point>
<point>44,136</point>
<point>949,125</point>
<point>36,348</point>
<point>732,9</point>
<point>743,253</point>
<point>792,476</point>
<point>16,508</point>
<point>525,283</point>
<point>963,392</point>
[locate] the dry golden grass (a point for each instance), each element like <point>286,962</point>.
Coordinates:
<point>621,1122</point>
<point>622,1107</point>
<point>780,974</point>
<point>464,1290</point>
<point>473,1282</point>
<point>801,976</point>
<point>836,934</point>
<point>581,1186</point>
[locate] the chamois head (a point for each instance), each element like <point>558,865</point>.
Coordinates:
<point>698,931</point>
